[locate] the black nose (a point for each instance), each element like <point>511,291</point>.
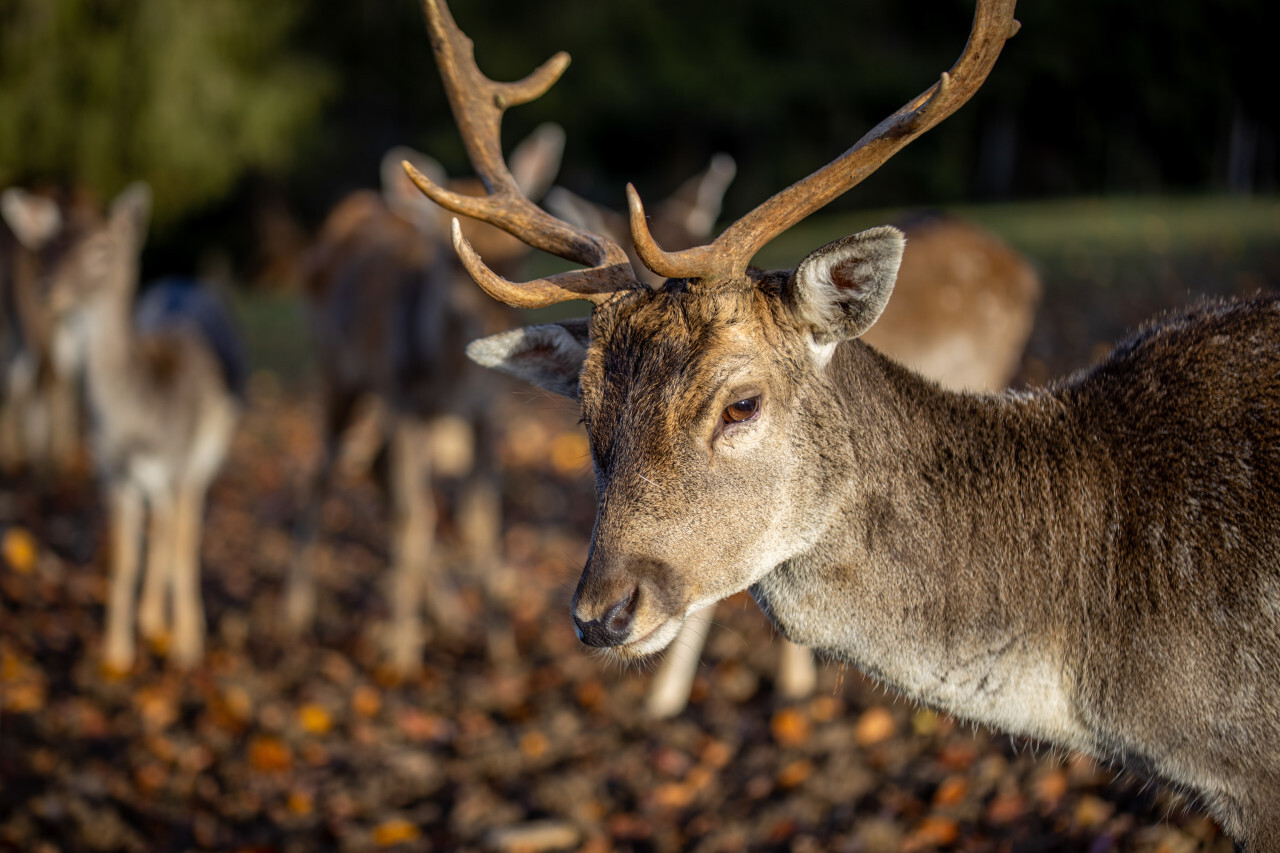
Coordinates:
<point>611,629</point>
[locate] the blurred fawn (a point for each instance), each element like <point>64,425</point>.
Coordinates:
<point>162,393</point>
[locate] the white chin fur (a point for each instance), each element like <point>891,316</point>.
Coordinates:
<point>653,642</point>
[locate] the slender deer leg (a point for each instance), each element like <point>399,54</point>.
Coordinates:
<point>669,692</point>
<point>154,622</point>
<point>481,522</point>
<point>64,429</point>
<point>797,675</point>
<point>413,529</point>
<point>188,611</point>
<point>300,589</point>
<point>125,508</point>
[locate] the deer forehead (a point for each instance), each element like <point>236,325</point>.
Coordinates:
<point>660,360</point>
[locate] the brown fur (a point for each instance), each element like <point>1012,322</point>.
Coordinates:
<point>1095,564</point>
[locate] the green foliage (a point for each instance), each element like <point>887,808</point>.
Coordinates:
<point>184,95</point>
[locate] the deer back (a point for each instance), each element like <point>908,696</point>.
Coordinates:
<point>963,306</point>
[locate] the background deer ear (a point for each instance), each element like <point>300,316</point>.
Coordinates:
<point>536,160</point>
<point>548,356</point>
<point>34,219</point>
<point>841,288</point>
<point>131,211</point>
<point>405,199</point>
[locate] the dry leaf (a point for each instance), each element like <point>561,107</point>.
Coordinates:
<point>790,727</point>
<point>874,726</point>
<point>396,831</point>
<point>269,754</point>
<point>314,719</point>
<point>951,791</point>
<point>19,550</point>
<point>795,773</point>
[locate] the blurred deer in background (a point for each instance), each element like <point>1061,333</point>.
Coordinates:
<point>1096,564</point>
<point>393,311</point>
<point>962,311</point>
<point>162,387</point>
<point>40,412</point>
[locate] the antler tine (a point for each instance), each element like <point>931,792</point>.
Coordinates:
<point>478,104</point>
<point>727,257</point>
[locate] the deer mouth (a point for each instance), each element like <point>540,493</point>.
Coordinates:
<point>652,641</point>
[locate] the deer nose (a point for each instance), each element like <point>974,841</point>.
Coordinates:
<point>611,629</point>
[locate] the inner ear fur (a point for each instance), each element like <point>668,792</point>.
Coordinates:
<point>841,288</point>
<point>549,356</point>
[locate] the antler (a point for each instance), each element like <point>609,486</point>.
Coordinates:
<point>478,104</point>
<point>728,255</point>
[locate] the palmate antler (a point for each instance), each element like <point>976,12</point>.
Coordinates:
<point>478,104</point>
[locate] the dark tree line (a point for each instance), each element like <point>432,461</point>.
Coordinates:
<point>218,101</point>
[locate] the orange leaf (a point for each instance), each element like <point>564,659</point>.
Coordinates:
<point>19,550</point>
<point>790,727</point>
<point>795,773</point>
<point>395,831</point>
<point>301,803</point>
<point>366,701</point>
<point>951,791</point>
<point>673,795</point>
<point>269,754</point>
<point>314,719</point>
<point>874,726</point>
<point>534,745</point>
<point>932,832</point>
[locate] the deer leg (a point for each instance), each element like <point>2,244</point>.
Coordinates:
<point>157,581</point>
<point>188,610</point>
<point>413,529</point>
<point>797,675</point>
<point>125,509</point>
<point>300,592</point>
<point>481,522</point>
<point>64,429</point>
<point>669,693</point>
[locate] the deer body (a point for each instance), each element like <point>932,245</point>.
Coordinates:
<point>163,395</point>
<point>1096,564</point>
<point>392,319</point>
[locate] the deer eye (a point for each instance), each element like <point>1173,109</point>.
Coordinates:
<point>741,411</point>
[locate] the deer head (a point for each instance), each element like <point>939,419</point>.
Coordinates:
<point>707,400</point>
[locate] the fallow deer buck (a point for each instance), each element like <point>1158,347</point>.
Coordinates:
<point>1096,564</point>
<point>163,402</point>
<point>392,313</point>
<point>961,313</point>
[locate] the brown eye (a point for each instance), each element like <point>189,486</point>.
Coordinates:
<point>743,410</point>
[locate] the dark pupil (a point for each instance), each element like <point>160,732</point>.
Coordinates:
<point>741,410</point>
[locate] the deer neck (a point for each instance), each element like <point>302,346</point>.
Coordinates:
<point>110,351</point>
<point>951,546</point>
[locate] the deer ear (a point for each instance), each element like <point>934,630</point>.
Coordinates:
<point>548,356</point>
<point>407,200</point>
<point>536,160</point>
<point>841,288</point>
<point>34,219</point>
<point>131,211</point>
